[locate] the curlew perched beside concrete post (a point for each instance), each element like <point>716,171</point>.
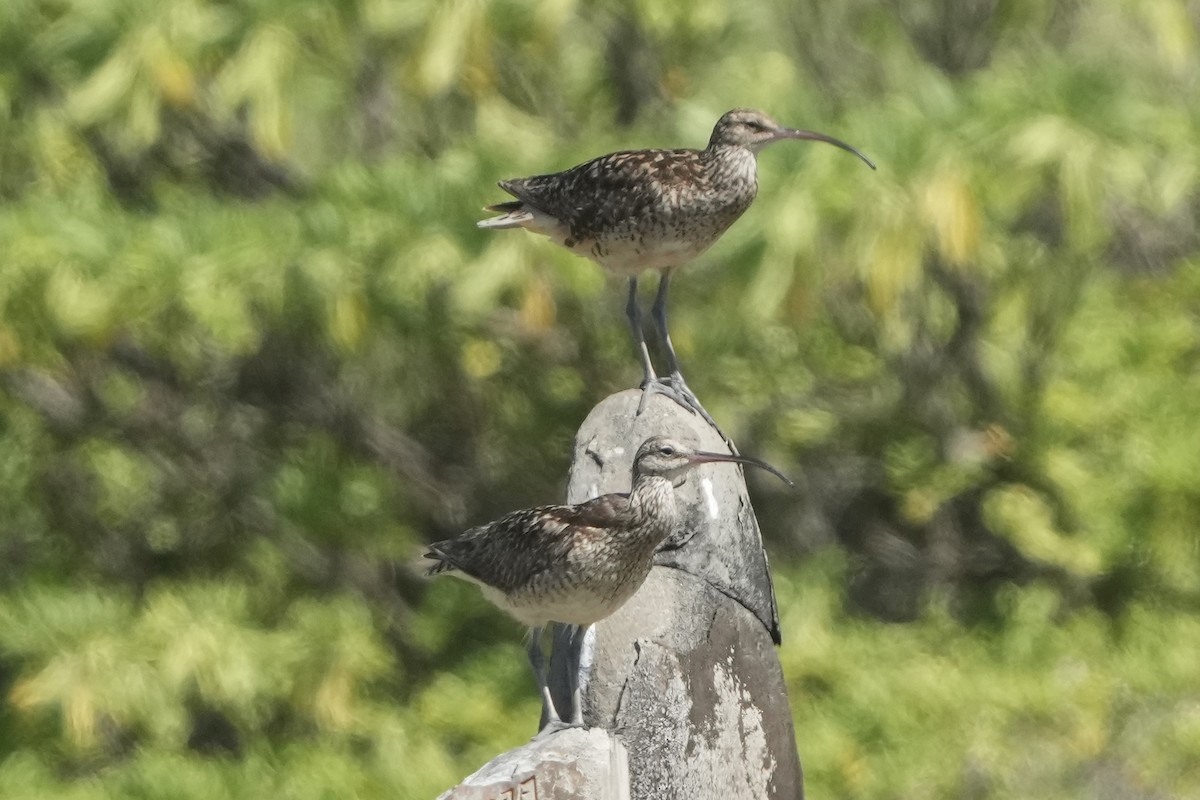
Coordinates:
<point>651,209</point>
<point>681,686</point>
<point>577,564</point>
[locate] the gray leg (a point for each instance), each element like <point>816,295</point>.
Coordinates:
<point>651,384</point>
<point>577,642</point>
<point>567,645</point>
<point>634,314</point>
<point>537,659</point>
<point>681,393</point>
<point>659,313</point>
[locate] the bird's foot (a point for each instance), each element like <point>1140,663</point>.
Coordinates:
<point>653,386</point>
<point>556,726</point>
<point>689,401</point>
<point>677,389</point>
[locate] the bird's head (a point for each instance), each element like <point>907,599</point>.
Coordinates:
<point>754,130</point>
<point>665,457</point>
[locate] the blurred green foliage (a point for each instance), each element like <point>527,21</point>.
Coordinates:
<point>253,353</point>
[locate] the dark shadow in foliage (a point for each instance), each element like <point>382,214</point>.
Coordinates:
<point>957,36</point>
<point>212,732</point>
<point>633,65</point>
<point>194,147</point>
<point>130,177</point>
<point>232,165</point>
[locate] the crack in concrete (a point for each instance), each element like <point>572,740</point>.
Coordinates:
<point>637,650</point>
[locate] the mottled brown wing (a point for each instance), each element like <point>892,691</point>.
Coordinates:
<point>508,552</point>
<point>600,194</point>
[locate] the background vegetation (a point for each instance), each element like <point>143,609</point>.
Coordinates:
<point>253,353</point>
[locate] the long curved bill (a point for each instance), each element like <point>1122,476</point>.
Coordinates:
<point>701,457</point>
<point>792,133</point>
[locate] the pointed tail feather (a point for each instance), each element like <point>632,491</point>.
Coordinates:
<point>506,207</point>
<point>436,562</point>
<point>514,215</point>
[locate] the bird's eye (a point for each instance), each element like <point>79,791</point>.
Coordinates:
<point>666,450</point>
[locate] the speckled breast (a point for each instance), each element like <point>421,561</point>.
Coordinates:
<point>682,221</point>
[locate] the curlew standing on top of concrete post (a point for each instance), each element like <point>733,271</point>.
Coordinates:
<point>651,209</point>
